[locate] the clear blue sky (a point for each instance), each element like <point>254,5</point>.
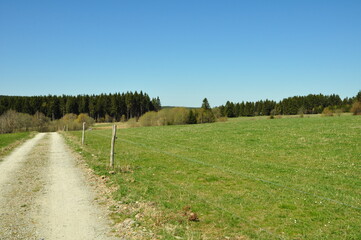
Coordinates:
<point>181,51</point>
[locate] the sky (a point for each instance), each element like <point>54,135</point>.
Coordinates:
<point>181,50</point>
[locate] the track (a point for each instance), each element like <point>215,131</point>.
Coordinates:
<point>44,195</point>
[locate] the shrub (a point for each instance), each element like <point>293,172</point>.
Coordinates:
<point>327,112</point>
<point>84,117</point>
<point>179,115</point>
<point>174,116</point>
<point>338,112</point>
<point>222,119</point>
<point>301,112</point>
<point>69,117</point>
<point>132,122</point>
<point>205,116</point>
<point>69,122</point>
<point>108,118</point>
<point>41,122</point>
<point>8,122</point>
<point>123,118</point>
<point>217,112</point>
<point>148,119</point>
<point>356,108</point>
<point>12,121</point>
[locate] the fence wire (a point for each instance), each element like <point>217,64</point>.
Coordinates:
<point>227,170</point>
<point>203,199</point>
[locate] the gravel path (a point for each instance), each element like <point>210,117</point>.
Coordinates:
<point>44,195</point>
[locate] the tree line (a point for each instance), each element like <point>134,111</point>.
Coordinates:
<point>103,107</point>
<point>310,104</point>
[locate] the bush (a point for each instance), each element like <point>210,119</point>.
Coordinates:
<point>108,118</point>
<point>205,116</point>
<point>84,117</point>
<point>168,116</point>
<point>217,112</point>
<point>12,121</point>
<point>356,108</point>
<point>338,112</point>
<point>175,116</point>
<point>327,112</point>
<point>149,119</point>
<point>132,122</point>
<point>123,118</point>
<point>222,119</point>
<point>301,112</point>
<point>71,122</point>
<point>179,115</point>
<point>8,121</point>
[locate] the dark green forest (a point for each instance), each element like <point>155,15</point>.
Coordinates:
<point>118,106</point>
<point>310,104</point>
<point>123,106</point>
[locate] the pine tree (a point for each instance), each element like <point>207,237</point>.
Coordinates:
<point>205,104</point>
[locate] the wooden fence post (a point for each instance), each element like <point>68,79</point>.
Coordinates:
<point>114,135</point>
<point>83,136</point>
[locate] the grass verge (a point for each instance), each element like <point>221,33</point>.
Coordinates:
<point>11,140</point>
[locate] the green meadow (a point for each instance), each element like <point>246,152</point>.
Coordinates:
<point>10,140</point>
<point>248,178</point>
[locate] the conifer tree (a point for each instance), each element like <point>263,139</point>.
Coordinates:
<point>205,104</point>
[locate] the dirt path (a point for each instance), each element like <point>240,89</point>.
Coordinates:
<point>44,195</point>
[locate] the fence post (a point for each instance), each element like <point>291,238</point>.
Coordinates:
<point>83,136</point>
<point>114,134</point>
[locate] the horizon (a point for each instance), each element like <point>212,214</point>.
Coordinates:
<point>181,51</point>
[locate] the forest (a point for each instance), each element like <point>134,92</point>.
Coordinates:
<point>310,104</point>
<point>125,106</point>
<point>103,107</point>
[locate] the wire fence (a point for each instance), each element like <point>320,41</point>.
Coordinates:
<point>188,192</point>
<point>223,169</point>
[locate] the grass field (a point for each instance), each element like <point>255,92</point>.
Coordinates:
<point>289,178</point>
<point>11,140</point>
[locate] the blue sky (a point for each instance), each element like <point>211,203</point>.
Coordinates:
<point>181,51</point>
